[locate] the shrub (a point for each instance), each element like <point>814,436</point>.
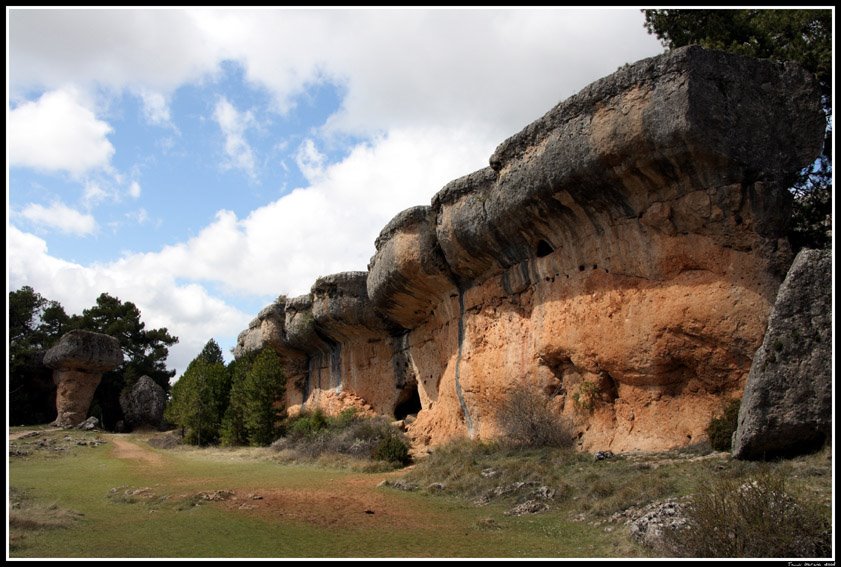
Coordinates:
<point>314,434</point>
<point>307,424</point>
<point>393,450</point>
<point>752,518</point>
<point>526,420</point>
<point>720,430</point>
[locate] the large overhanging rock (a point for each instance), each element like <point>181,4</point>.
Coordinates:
<point>787,405</point>
<point>620,256</point>
<point>78,361</point>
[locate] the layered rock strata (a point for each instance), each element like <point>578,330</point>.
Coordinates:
<point>78,361</point>
<point>619,256</point>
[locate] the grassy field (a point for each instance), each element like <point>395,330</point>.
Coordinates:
<point>96,495</point>
<point>150,504</point>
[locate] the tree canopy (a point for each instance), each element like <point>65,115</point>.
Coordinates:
<point>804,36</point>
<point>240,404</point>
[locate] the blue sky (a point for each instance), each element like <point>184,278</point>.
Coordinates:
<point>202,162</point>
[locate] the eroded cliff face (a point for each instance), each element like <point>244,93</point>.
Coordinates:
<point>620,256</point>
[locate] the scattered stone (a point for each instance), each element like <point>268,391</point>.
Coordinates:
<point>544,493</point>
<point>255,497</point>
<point>216,495</point>
<point>89,424</point>
<point>489,473</point>
<point>436,487</point>
<point>603,455</point>
<point>528,507</point>
<point>399,484</point>
<point>648,525</point>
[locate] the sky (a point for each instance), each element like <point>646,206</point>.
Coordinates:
<point>201,162</point>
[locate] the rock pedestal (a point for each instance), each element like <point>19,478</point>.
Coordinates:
<point>78,361</point>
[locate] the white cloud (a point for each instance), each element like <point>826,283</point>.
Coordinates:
<point>415,68</point>
<point>328,227</point>
<point>59,216</point>
<point>58,133</point>
<point>140,216</point>
<point>233,124</point>
<point>93,193</point>
<point>310,161</point>
<point>155,108</point>
<point>188,311</point>
<point>144,49</point>
<point>134,190</point>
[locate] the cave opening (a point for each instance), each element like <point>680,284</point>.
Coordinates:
<point>408,402</point>
<point>544,249</point>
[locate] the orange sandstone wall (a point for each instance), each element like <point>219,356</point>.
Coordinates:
<point>619,256</point>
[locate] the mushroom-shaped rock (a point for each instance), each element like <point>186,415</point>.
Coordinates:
<point>78,361</point>
<point>408,275</point>
<point>143,403</point>
<point>341,308</point>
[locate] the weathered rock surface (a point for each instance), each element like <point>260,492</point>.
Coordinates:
<point>78,361</point>
<point>787,404</point>
<point>143,404</point>
<point>620,255</point>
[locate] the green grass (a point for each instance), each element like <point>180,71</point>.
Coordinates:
<point>69,507</point>
<point>81,479</point>
<point>596,490</point>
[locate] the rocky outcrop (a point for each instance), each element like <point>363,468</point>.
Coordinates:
<point>620,255</point>
<point>143,404</point>
<point>78,361</point>
<point>787,404</point>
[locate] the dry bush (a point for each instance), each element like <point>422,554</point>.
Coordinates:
<point>752,518</point>
<point>526,420</point>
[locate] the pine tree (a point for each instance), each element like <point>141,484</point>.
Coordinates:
<point>264,387</point>
<point>199,400</point>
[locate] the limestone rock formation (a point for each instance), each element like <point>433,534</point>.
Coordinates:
<point>620,255</point>
<point>787,403</point>
<point>143,404</point>
<point>78,361</point>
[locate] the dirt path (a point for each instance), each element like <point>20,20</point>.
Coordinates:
<point>125,449</point>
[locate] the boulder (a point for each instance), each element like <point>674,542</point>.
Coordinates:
<point>78,361</point>
<point>143,404</point>
<point>787,403</point>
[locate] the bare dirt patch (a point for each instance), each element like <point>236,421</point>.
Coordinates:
<point>125,449</point>
<point>335,507</point>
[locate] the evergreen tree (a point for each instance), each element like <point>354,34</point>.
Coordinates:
<point>233,423</point>
<point>264,387</point>
<point>35,324</point>
<point>198,401</point>
<point>212,353</point>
